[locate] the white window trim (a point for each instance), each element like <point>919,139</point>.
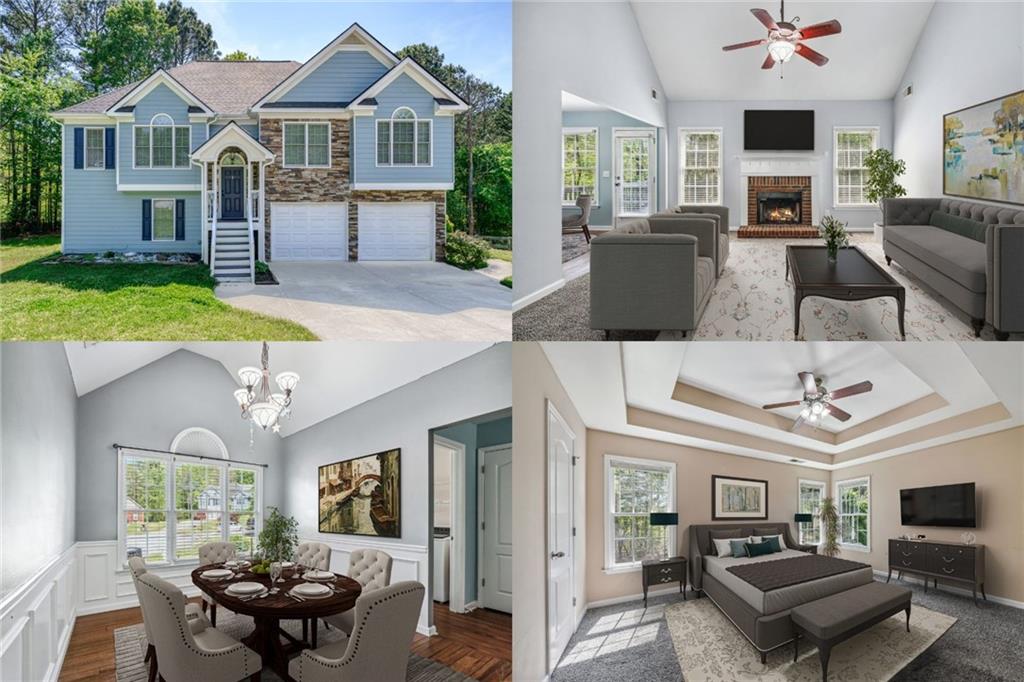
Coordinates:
<point>170,511</point>
<point>848,482</point>
<point>681,167</point>
<point>577,130</point>
<point>610,567</point>
<point>416,120</point>
<point>85,148</point>
<point>305,144</point>
<point>821,485</point>
<point>174,144</point>
<point>876,132</point>
<point>152,218</point>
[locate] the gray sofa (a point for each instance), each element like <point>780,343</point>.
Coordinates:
<point>970,253</point>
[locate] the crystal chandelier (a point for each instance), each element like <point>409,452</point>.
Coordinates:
<point>259,405</point>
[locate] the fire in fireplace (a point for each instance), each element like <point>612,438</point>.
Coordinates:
<point>779,208</point>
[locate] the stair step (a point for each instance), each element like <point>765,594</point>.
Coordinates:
<point>233,247</point>
<point>232,240</point>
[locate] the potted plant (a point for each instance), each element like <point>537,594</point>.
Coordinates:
<point>883,170</point>
<point>279,537</point>
<point>830,527</point>
<point>833,231</point>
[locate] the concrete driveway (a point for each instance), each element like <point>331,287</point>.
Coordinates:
<point>382,301</point>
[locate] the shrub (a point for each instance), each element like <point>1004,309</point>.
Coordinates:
<point>507,282</point>
<point>262,268</point>
<point>466,251</point>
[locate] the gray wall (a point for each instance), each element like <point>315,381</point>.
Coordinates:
<point>148,408</point>
<point>728,115</point>
<point>37,458</point>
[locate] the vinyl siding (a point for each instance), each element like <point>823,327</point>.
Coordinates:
<point>161,100</point>
<point>403,92</point>
<point>98,218</point>
<point>339,79</point>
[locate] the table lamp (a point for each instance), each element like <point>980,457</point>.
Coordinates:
<point>664,519</point>
<point>803,518</point>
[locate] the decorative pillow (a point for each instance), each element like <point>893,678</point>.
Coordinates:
<point>738,547</point>
<point>965,227</point>
<point>721,534</point>
<point>774,542</point>
<point>758,548</point>
<point>778,536</point>
<point>723,547</point>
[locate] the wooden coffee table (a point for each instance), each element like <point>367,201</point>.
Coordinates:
<point>853,277</point>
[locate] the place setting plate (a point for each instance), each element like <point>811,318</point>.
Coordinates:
<point>217,574</point>
<point>245,589</point>
<point>318,576</point>
<point>311,591</point>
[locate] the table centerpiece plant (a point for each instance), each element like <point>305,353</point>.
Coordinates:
<point>277,541</point>
<point>833,231</point>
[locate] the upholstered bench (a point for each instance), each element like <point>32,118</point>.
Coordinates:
<point>836,618</point>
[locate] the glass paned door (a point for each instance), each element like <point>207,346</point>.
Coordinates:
<point>634,175</point>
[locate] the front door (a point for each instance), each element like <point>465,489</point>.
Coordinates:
<point>634,159</point>
<point>497,527</point>
<point>561,551</point>
<point>231,194</point>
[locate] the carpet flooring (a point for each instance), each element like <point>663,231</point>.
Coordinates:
<point>628,642</point>
<point>573,246</point>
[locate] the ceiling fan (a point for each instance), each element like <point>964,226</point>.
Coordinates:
<point>785,39</point>
<point>817,400</point>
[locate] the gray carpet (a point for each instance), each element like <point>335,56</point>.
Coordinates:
<point>573,246</point>
<point>984,643</point>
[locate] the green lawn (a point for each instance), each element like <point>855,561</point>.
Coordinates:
<point>501,254</point>
<point>141,302</point>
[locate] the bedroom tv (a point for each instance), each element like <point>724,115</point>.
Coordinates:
<point>767,130</point>
<point>939,505</point>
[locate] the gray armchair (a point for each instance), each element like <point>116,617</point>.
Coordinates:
<point>577,222</point>
<point>721,215</point>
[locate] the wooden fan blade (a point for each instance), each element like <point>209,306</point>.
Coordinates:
<point>825,28</point>
<point>769,62</point>
<point>837,413</point>
<point>862,387</point>
<point>811,55</point>
<point>737,46</point>
<point>810,385</point>
<point>778,405</point>
<point>797,424</point>
<point>765,18</point>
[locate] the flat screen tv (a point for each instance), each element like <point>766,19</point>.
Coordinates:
<point>773,130</point>
<point>939,505</point>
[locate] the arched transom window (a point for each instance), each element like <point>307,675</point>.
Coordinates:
<point>404,139</point>
<point>232,159</point>
<point>161,144</point>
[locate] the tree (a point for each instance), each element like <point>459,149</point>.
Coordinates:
<point>240,56</point>
<point>136,40</point>
<point>427,56</point>
<point>83,18</point>
<point>193,38</point>
<point>22,18</point>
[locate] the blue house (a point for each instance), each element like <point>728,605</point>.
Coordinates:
<point>345,157</point>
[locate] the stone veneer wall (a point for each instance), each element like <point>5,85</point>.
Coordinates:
<point>384,196</point>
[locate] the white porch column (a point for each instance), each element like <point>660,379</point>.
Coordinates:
<point>204,214</point>
<point>263,212</point>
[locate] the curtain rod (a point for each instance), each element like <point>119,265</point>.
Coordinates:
<point>185,454</point>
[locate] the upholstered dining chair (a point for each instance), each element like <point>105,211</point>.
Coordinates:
<point>579,222</point>
<point>208,655</point>
<point>379,644</point>
<point>371,568</point>
<point>214,553</point>
<point>314,555</point>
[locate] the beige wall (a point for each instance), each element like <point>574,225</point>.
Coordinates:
<point>535,384</point>
<point>995,463</point>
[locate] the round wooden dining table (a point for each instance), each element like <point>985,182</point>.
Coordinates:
<point>267,612</point>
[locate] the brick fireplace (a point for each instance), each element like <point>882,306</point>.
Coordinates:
<point>765,193</point>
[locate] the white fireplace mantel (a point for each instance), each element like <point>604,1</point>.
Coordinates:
<point>808,165</point>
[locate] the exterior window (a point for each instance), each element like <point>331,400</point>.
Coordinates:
<point>142,158</point>
<point>579,164</point>
<point>633,489</point>
<point>307,145</point>
<point>161,144</point>
<point>852,145</point>
<point>163,220</point>
<point>700,159</point>
<point>95,153</point>
<point>811,494</point>
<point>854,500</point>
<point>404,140</point>
<point>383,143</point>
<point>423,143</point>
<point>242,509</point>
<point>199,512</point>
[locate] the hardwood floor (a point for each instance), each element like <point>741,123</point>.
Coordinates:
<point>478,644</point>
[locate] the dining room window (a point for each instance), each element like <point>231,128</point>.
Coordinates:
<point>811,494</point>
<point>579,164</point>
<point>633,489</point>
<point>854,506</point>
<point>161,144</point>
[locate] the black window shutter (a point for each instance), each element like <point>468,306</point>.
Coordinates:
<point>179,220</point>
<point>147,220</point>
<point>79,147</point>
<point>108,147</point>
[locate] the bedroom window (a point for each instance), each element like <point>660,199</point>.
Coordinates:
<point>404,139</point>
<point>633,489</point>
<point>852,145</point>
<point>811,494</point>
<point>579,164</point>
<point>853,499</point>
<point>161,144</point>
<point>700,160</point>
<point>307,145</point>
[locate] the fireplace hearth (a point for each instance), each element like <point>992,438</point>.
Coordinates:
<point>779,208</point>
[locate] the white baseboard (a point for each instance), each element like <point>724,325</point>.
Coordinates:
<point>426,631</point>
<point>945,587</point>
<point>633,597</point>
<point>473,606</point>
<point>537,295</point>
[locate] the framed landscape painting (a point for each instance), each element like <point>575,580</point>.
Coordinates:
<point>738,498</point>
<point>362,496</point>
<point>983,151</point>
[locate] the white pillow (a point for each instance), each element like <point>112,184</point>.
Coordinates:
<point>722,547</point>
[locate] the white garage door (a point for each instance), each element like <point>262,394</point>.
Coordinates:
<point>308,231</point>
<point>396,231</point>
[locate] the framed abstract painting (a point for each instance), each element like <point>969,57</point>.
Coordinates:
<point>362,496</point>
<point>738,499</point>
<point>983,151</point>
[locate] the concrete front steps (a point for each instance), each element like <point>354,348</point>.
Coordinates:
<point>231,252</point>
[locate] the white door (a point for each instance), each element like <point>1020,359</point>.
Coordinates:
<point>634,157</point>
<point>403,231</point>
<point>497,527</point>
<point>308,231</point>
<point>560,549</point>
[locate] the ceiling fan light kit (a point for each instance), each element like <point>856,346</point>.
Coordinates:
<point>785,39</point>
<point>817,400</point>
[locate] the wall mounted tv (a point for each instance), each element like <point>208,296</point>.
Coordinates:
<point>767,130</point>
<point>939,505</point>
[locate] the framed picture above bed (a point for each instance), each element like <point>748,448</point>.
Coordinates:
<point>362,496</point>
<point>738,499</point>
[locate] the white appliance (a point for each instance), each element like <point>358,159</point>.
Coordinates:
<point>442,556</point>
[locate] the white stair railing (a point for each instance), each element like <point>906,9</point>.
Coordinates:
<point>213,231</point>
<point>252,255</point>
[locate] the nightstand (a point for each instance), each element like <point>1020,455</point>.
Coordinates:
<point>660,571</point>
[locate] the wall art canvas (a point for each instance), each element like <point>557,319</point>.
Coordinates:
<point>362,496</point>
<point>738,498</point>
<point>983,151</point>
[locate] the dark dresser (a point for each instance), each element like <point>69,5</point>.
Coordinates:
<point>935,560</point>
<point>659,572</point>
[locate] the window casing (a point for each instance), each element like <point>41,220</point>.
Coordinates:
<point>307,145</point>
<point>405,140</point>
<point>580,164</point>
<point>164,220</point>
<point>171,504</point>
<point>810,496</point>
<point>633,489</point>
<point>161,144</point>
<point>853,503</point>
<point>852,145</point>
<point>95,149</point>
<point>700,166</point>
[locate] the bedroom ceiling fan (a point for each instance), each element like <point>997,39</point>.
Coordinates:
<point>786,39</point>
<point>817,400</point>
